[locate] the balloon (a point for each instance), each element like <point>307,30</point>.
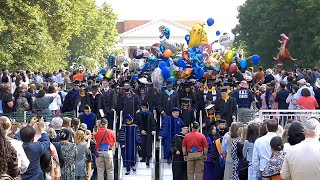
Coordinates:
<point>134,77</point>
<point>121,58</point>
<point>171,79</point>
<point>224,66</point>
<point>137,64</point>
<point>185,55</point>
<point>181,63</point>
<point>167,53</point>
<point>165,73</point>
<point>284,51</point>
<point>218,33</point>
<point>109,73</point>
<point>187,38</point>
<point>146,53</point>
<point>168,45</point>
<point>152,59</point>
<point>243,64</point>
<point>197,50</point>
<point>228,57</point>
<point>226,40</point>
<point>146,67</point>
<point>111,59</point>
<point>157,78</point>
<point>217,68</point>
<point>138,53</point>
<point>210,21</point>
<point>198,35</point>
<point>200,73</point>
<point>186,73</point>
<point>162,48</point>
<point>167,33</point>
<point>162,64</point>
<point>155,50</point>
<point>100,77</point>
<point>255,59</point>
<point>103,71</point>
<point>233,68</point>
<point>206,75</point>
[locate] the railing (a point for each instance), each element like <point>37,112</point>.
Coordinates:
<point>153,165</point>
<point>26,116</point>
<point>160,156</point>
<point>284,115</point>
<point>200,120</point>
<point>120,161</point>
<point>114,122</point>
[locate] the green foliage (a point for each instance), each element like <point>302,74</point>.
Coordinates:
<point>262,21</point>
<point>45,35</point>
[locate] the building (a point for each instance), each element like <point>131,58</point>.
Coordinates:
<point>136,33</point>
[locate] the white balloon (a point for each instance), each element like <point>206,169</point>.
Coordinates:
<point>226,40</point>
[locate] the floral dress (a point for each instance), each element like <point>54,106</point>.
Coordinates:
<point>69,151</point>
<point>274,165</point>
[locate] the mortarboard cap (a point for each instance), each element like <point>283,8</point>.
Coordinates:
<point>184,125</point>
<point>105,79</point>
<point>210,81</point>
<point>127,87</point>
<point>186,100</point>
<point>220,121</point>
<point>224,90</point>
<point>186,84</point>
<point>128,117</point>
<point>144,104</point>
<point>175,109</point>
<point>227,84</point>
<point>209,106</point>
<point>202,80</point>
<point>76,82</point>
<point>94,87</point>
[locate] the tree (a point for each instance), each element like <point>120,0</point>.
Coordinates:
<point>262,21</point>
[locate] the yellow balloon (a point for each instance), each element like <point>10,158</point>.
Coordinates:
<point>228,57</point>
<point>198,35</point>
<point>109,74</point>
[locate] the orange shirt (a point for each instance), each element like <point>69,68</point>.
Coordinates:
<point>308,102</point>
<point>109,138</point>
<point>195,139</point>
<point>79,76</point>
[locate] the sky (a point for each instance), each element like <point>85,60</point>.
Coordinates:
<point>224,12</point>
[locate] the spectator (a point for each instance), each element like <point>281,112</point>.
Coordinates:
<point>34,150</point>
<point>252,135</point>
<point>75,123</point>
<point>195,151</point>
<point>69,152</point>
<point>302,161</point>
<point>232,159</point>
<point>273,166</point>
<point>56,124</point>
<point>88,117</point>
<point>52,135</point>
<point>281,97</point>
<point>307,101</point>
<point>81,140</point>
<point>243,96</point>
<point>54,107</point>
<point>295,135</point>
<point>21,102</point>
<point>303,84</point>
<point>7,99</point>
<point>261,150</point>
<point>292,99</point>
<point>23,161</point>
<point>70,101</point>
<point>67,125</point>
<point>105,139</point>
<point>317,91</point>
<point>42,102</point>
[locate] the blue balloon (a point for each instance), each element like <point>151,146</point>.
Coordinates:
<point>162,48</point>
<point>100,76</point>
<point>134,77</point>
<point>199,73</point>
<point>171,79</point>
<point>255,59</point>
<point>243,64</point>
<point>197,50</point>
<point>152,59</point>
<point>217,68</point>
<point>165,73</point>
<point>103,71</point>
<point>146,67</point>
<point>167,33</point>
<point>181,63</point>
<point>218,33</point>
<point>162,65</point>
<point>111,59</point>
<point>187,38</point>
<point>210,21</point>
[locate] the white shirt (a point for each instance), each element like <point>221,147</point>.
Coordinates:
<point>302,162</point>
<point>56,103</point>
<point>23,161</point>
<point>262,151</point>
<point>59,79</point>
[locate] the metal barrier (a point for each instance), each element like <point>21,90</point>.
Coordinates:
<point>153,165</point>
<point>160,156</point>
<point>24,117</point>
<point>114,122</point>
<point>120,161</point>
<point>200,120</point>
<point>283,115</point>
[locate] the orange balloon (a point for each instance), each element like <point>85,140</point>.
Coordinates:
<point>167,53</point>
<point>185,55</point>
<point>186,73</point>
<point>233,68</point>
<point>189,71</point>
<point>224,66</point>
<point>206,75</point>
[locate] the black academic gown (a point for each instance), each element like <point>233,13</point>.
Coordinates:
<point>169,102</point>
<point>187,116</point>
<point>179,166</point>
<point>107,101</point>
<point>227,109</point>
<point>146,122</point>
<point>70,103</point>
<point>94,101</point>
<point>130,105</point>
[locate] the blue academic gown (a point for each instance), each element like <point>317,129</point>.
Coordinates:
<point>213,167</point>
<point>129,135</point>
<point>169,128</point>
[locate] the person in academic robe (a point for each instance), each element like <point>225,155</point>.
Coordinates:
<point>83,99</point>
<point>171,125</point>
<point>227,106</point>
<point>69,103</point>
<point>187,112</point>
<point>179,166</point>
<point>211,93</point>
<point>147,125</point>
<point>186,92</point>
<point>130,102</point>
<point>130,140</point>
<point>94,99</point>
<point>107,102</point>
<point>169,99</point>
<point>208,118</point>
<point>214,165</point>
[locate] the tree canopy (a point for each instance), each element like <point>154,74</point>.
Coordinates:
<point>47,35</point>
<point>262,21</point>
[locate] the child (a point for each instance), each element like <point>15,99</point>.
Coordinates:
<point>129,139</point>
<point>88,117</point>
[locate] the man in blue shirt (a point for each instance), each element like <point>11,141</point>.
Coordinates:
<point>88,117</point>
<point>34,150</point>
<point>243,95</point>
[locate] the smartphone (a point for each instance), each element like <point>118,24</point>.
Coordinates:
<point>39,116</point>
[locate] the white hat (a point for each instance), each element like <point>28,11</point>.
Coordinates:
<point>209,106</point>
<point>302,81</point>
<point>143,80</point>
<point>317,84</point>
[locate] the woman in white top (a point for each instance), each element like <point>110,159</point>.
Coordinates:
<point>54,107</point>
